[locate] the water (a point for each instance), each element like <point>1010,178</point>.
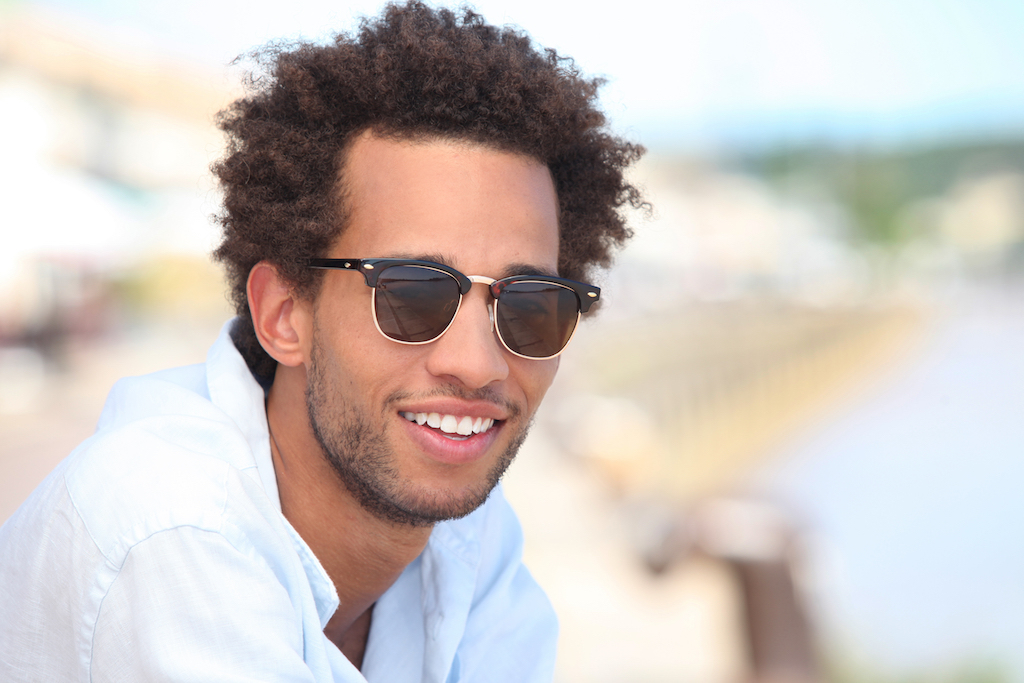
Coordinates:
<point>914,499</point>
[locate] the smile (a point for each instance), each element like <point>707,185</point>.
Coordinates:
<point>453,426</point>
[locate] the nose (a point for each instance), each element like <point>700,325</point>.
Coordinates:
<point>469,352</point>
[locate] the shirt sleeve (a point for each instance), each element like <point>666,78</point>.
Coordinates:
<point>188,605</point>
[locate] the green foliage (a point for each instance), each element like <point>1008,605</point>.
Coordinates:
<point>876,185</point>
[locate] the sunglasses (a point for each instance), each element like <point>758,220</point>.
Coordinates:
<point>415,302</point>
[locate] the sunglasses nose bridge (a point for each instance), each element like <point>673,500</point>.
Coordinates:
<point>488,282</point>
<point>491,300</point>
<point>470,347</point>
<point>492,287</point>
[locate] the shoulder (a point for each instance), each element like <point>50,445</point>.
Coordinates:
<point>177,391</point>
<point>164,463</point>
<point>155,473</point>
<point>163,455</point>
<point>146,558</point>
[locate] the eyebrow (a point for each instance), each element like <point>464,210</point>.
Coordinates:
<point>510,270</point>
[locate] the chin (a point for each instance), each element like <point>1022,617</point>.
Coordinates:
<point>365,461</point>
<point>426,508</point>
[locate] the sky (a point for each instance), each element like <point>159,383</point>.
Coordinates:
<point>690,73</point>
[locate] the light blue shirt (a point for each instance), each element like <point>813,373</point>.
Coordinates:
<point>157,551</point>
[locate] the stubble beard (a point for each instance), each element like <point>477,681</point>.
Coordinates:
<point>366,465</point>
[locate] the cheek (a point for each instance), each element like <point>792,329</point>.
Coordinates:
<point>372,368</point>
<point>344,324</point>
<point>364,358</point>
<point>534,377</point>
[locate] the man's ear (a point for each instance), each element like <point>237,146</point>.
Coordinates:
<point>277,315</point>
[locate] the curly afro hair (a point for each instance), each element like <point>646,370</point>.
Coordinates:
<point>415,72</point>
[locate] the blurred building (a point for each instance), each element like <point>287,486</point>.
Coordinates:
<point>106,156</point>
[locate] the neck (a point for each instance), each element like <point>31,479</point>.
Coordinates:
<point>362,554</point>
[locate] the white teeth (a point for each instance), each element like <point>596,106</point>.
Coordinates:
<point>450,424</point>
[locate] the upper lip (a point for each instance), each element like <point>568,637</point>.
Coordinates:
<point>457,407</point>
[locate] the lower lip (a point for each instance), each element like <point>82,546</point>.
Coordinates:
<point>451,451</point>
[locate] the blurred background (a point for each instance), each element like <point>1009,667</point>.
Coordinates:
<point>789,447</point>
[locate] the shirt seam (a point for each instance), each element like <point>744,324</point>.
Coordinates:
<point>217,529</point>
<point>99,607</point>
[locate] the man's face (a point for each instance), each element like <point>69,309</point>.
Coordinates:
<point>482,212</point>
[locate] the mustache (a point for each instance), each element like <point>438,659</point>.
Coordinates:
<point>487,394</point>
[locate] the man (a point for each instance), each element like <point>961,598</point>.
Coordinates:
<point>408,213</point>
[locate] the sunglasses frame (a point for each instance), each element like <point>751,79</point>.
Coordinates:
<point>371,268</point>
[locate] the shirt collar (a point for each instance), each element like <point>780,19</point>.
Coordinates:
<point>235,391</point>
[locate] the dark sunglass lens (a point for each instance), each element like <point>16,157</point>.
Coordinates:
<point>415,304</point>
<point>536,319</point>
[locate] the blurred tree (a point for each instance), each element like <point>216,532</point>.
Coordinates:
<point>875,185</point>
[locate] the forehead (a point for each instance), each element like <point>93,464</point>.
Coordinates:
<point>470,205</point>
